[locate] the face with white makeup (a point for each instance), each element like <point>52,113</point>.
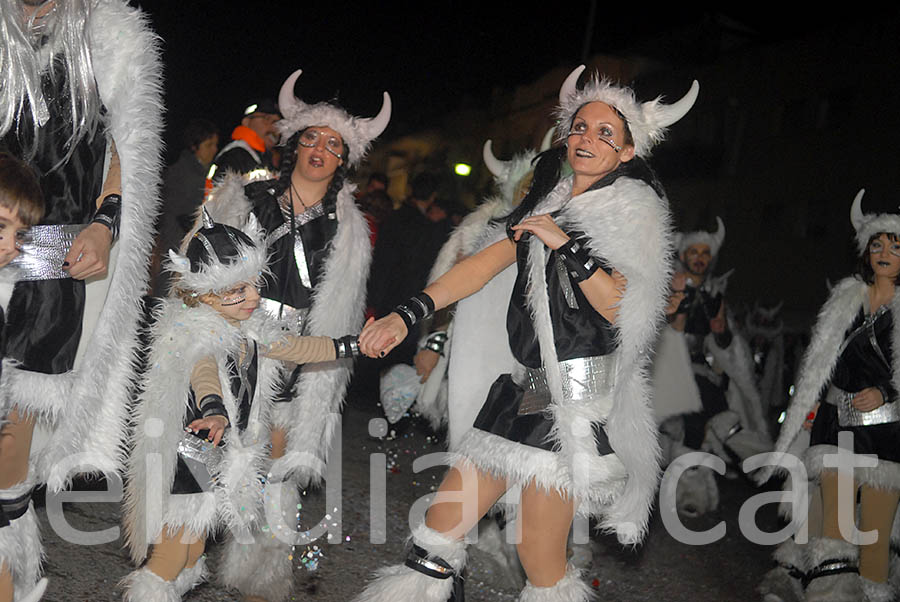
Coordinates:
<point>598,142</point>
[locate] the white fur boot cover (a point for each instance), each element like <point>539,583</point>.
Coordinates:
<point>841,587</point>
<point>36,594</point>
<point>143,585</point>
<point>399,582</point>
<point>20,543</point>
<point>783,583</point>
<point>189,578</point>
<point>264,568</point>
<point>570,588</point>
<point>877,592</point>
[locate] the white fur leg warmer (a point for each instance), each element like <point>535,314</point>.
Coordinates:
<point>570,588</point>
<point>399,582</point>
<point>143,585</point>
<point>877,592</point>
<point>784,583</point>
<point>835,587</point>
<point>264,568</point>
<point>20,543</point>
<point>36,594</point>
<point>189,578</point>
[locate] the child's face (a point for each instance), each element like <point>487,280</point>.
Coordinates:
<point>238,303</point>
<point>12,233</point>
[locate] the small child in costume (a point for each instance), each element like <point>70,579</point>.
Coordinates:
<point>21,206</point>
<point>202,429</point>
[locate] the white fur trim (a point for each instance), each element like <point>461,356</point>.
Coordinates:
<point>20,546</point>
<point>337,309</point>
<point>143,585</point>
<point>93,399</point>
<point>877,592</point>
<point>571,588</point>
<point>191,577</point>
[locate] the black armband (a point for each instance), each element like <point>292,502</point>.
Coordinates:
<point>346,346</point>
<point>415,309</point>
<point>436,341</point>
<point>578,260</point>
<point>110,214</point>
<point>212,405</point>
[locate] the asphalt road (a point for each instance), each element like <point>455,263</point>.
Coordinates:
<point>662,569</point>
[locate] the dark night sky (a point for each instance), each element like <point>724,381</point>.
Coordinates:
<point>428,55</point>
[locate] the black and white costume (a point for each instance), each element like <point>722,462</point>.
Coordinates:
<point>72,344</point>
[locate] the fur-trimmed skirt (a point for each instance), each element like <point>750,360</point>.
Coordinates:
<point>881,440</point>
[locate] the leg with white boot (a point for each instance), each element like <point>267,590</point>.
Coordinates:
<point>176,566</point>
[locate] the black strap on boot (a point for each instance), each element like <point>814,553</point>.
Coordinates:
<point>434,566</point>
<point>834,566</point>
<point>13,508</point>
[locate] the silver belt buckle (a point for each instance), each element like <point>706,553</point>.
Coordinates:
<point>582,378</point>
<point>850,416</point>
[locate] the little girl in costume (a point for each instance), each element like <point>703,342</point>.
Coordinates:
<point>202,419</point>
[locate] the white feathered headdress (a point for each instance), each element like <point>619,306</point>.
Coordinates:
<point>647,121</point>
<point>357,133</point>
<point>868,225</point>
<point>713,239</point>
<point>227,247</point>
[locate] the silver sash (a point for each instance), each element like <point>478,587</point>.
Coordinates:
<point>44,250</point>
<point>299,252</point>
<point>582,378</point>
<point>294,319</point>
<point>850,416</point>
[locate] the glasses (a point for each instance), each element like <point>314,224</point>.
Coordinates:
<point>604,134</point>
<point>238,294</point>
<point>876,246</point>
<point>333,144</point>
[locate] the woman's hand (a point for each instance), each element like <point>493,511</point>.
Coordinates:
<point>89,255</point>
<point>216,425</point>
<point>544,228</point>
<point>868,399</point>
<point>378,337</point>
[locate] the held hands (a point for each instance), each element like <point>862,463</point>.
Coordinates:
<point>544,228</point>
<point>868,399</point>
<point>89,255</point>
<point>378,337</point>
<point>216,425</point>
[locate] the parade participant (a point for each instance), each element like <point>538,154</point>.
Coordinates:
<point>207,333</point>
<point>81,104</point>
<point>851,366</point>
<point>319,255</point>
<point>573,424</point>
<point>251,144</point>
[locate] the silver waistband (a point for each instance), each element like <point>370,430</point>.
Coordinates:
<point>44,250</point>
<point>850,416</point>
<point>294,319</point>
<point>582,378</point>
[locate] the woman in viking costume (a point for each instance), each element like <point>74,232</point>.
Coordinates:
<point>80,102</point>
<point>573,423</point>
<point>319,255</point>
<point>214,366</point>
<point>850,366</point>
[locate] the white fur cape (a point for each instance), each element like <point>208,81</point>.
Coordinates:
<point>337,309</point>
<point>478,330</point>
<point>844,302</point>
<point>181,337</point>
<point>90,402</point>
<point>629,226</point>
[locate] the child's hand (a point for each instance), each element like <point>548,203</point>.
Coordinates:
<point>216,425</point>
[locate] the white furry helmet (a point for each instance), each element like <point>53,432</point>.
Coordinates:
<point>713,239</point>
<point>508,174</point>
<point>868,225</point>
<point>357,133</point>
<point>216,256</point>
<point>646,121</point>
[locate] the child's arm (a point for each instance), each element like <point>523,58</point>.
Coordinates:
<point>307,350</point>
<point>208,393</point>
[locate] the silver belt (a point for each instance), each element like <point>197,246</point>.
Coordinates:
<point>582,378</point>
<point>44,250</point>
<point>293,318</point>
<point>850,416</point>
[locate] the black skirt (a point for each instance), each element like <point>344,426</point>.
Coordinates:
<point>500,416</point>
<point>882,440</point>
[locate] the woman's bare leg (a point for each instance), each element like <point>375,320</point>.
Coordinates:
<point>545,518</point>
<point>877,509</point>
<point>15,447</point>
<point>279,443</point>
<point>475,493</point>
<point>170,556</point>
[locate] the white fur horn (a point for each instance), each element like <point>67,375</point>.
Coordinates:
<point>374,126</point>
<point>856,215</point>
<point>719,236</point>
<point>666,115</point>
<point>570,86</point>
<point>287,100</point>
<point>548,140</point>
<point>494,165</point>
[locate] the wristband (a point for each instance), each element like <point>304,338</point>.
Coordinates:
<point>212,405</point>
<point>415,309</point>
<point>346,346</point>
<point>435,342</point>
<point>578,260</point>
<point>109,214</point>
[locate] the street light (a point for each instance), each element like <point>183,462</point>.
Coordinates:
<point>462,169</point>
